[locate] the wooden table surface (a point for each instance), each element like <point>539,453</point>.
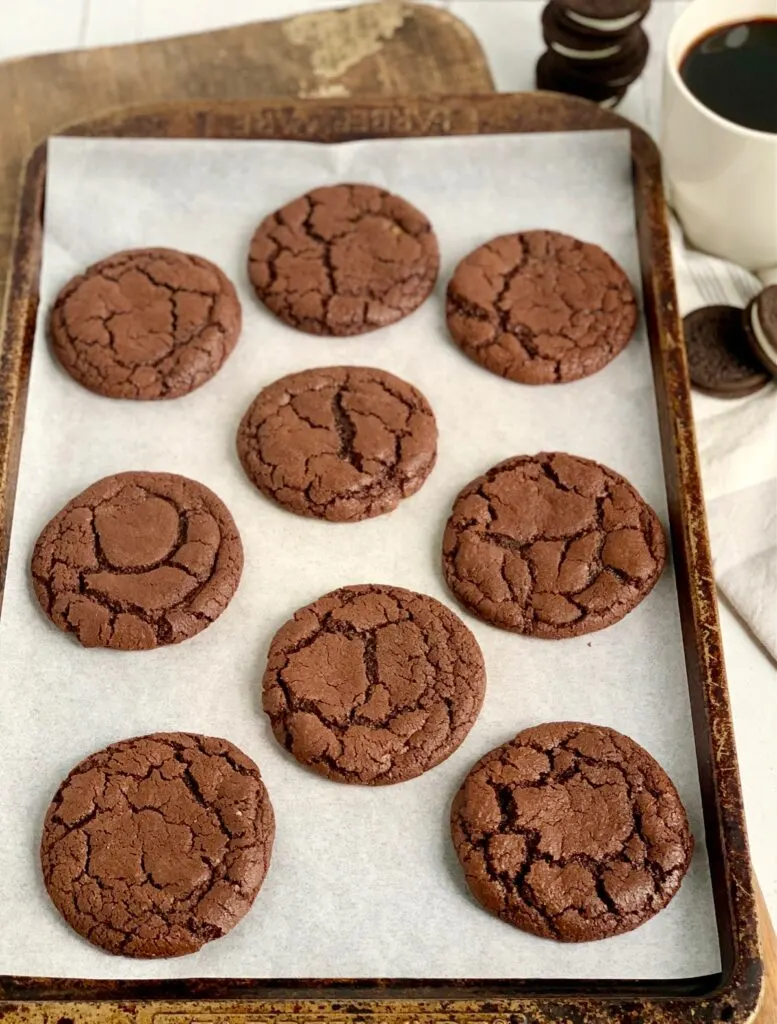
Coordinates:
<point>387,48</point>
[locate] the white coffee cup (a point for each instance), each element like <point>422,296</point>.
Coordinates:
<point>722,177</point>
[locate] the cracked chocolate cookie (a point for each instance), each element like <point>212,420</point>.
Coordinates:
<point>146,324</point>
<point>342,443</point>
<point>343,260</point>
<point>138,560</point>
<point>540,307</point>
<point>572,832</point>
<point>552,545</point>
<point>373,684</point>
<point>159,844</point>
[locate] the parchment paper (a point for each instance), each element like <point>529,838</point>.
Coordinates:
<point>363,881</point>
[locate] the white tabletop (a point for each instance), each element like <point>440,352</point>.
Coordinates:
<point>510,34</point>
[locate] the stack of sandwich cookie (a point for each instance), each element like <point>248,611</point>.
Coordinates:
<point>596,48</point>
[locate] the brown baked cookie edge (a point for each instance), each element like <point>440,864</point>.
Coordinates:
<point>571,832</point>
<point>114,854</point>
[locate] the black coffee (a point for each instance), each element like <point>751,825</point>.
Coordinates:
<point>733,71</point>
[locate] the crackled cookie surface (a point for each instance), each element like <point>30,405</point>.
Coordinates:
<point>373,684</point>
<point>138,560</point>
<point>540,307</point>
<point>552,545</point>
<point>156,845</point>
<point>572,832</point>
<point>344,259</point>
<point>341,443</point>
<point>146,324</point>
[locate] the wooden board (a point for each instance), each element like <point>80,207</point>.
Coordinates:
<point>730,996</point>
<point>388,48</point>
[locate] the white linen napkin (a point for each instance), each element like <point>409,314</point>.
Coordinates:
<point>738,447</point>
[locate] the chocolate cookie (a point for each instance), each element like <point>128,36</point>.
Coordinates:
<point>341,443</point>
<point>138,560</point>
<point>761,328</point>
<point>581,70</point>
<point>565,38</point>
<point>720,361</point>
<point>605,16</point>
<point>572,832</point>
<point>540,307</point>
<point>343,260</point>
<point>554,74</point>
<point>552,545</point>
<point>159,844</point>
<point>373,684</point>
<point>148,323</point>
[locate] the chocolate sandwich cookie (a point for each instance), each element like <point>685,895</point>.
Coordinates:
<point>553,74</point>
<point>761,328</point>
<point>604,17</point>
<point>342,443</point>
<point>540,307</point>
<point>343,260</point>
<point>565,38</point>
<point>720,360</point>
<point>159,844</point>
<point>585,74</point>
<point>146,324</point>
<point>138,560</point>
<point>571,832</point>
<point>373,684</point>
<point>552,545</point>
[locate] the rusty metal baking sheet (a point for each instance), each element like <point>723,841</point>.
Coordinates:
<point>593,1000</point>
<point>362,882</point>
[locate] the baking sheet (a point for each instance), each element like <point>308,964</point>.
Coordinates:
<point>363,881</point>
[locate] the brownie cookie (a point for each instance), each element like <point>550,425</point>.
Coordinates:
<point>720,360</point>
<point>341,443</point>
<point>552,545</point>
<point>373,684</point>
<point>138,560</point>
<point>159,844</point>
<point>540,307</point>
<point>145,324</point>
<point>572,832</point>
<point>761,328</point>
<point>343,260</point>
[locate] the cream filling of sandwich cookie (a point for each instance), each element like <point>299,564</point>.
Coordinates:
<point>605,24</point>
<point>567,51</point>
<point>769,348</point>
